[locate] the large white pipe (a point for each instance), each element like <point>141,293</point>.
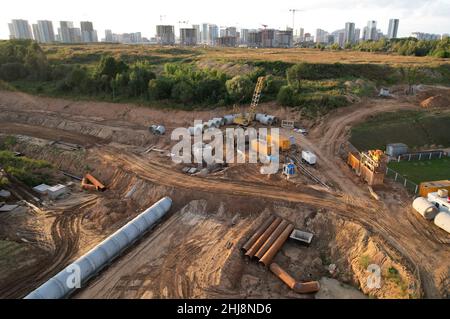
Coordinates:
<point>425,208</point>
<point>442,220</point>
<point>61,285</point>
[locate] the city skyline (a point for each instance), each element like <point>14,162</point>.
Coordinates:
<point>330,15</point>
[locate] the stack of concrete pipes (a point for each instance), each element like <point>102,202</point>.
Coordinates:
<point>211,124</point>
<point>265,243</point>
<point>217,122</point>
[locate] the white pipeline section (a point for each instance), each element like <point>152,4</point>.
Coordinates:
<point>65,282</point>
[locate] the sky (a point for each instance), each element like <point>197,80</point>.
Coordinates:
<point>431,16</point>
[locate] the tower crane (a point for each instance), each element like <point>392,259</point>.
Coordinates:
<point>293,17</point>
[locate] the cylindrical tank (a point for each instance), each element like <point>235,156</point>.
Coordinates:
<point>229,119</point>
<point>259,116</point>
<point>160,129</point>
<point>62,284</point>
<point>219,121</point>
<point>212,124</point>
<point>425,208</point>
<point>442,220</point>
<point>266,120</point>
<point>200,127</point>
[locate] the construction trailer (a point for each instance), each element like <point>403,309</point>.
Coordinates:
<point>370,166</point>
<point>430,187</point>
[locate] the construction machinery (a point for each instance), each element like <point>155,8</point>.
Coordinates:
<point>245,119</point>
<point>370,165</point>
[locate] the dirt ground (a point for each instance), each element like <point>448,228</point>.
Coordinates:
<point>194,251</point>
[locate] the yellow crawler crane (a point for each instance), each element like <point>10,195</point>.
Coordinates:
<point>245,119</point>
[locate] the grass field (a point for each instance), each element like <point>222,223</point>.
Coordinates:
<point>414,128</point>
<point>423,171</point>
<point>86,53</point>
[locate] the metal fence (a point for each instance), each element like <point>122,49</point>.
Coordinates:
<point>397,177</point>
<point>421,156</point>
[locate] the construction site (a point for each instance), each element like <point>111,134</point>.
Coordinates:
<point>141,226</point>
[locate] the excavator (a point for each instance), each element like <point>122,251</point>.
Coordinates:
<point>245,119</point>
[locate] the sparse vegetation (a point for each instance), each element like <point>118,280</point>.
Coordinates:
<point>364,261</point>
<point>29,171</point>
<point>172,77</point>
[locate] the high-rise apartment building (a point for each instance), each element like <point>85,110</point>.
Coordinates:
<point>284,39</point>
<point>230,32</point>
<point>88,34</point>
<point>165,34</point>
<point>339,37</point>
<point>425,36</point>
<point>36,33</point>
<point>349,33</point>
<point>197,28</point>
<point>321,36</point>
<point>213,34</point>
<point>64,31</point>
<point>46,31</point>
<point>205,33</point>
<point>108,36</point>
<point>244,36</point>
<point>20,29</point>
<point>371,30</point>
<point>188,36</point>
<point>357,35</point>
<point>301,35</point>
<point>393,28</point>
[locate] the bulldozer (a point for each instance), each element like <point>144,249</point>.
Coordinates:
<point>245,119</point>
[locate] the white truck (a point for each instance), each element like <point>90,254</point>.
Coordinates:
<point>309,157</point>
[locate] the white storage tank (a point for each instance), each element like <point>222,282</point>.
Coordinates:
<point>425,208</point>
<point>442,220</point>
<point>309,157</point>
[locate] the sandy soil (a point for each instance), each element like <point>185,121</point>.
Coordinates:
<point>191,243</point>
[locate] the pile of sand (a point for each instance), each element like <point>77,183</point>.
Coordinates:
<point>437,101</point>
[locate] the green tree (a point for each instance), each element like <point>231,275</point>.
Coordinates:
<point>183,92</point>
<point>286,96</point>
<point>12,71</point>
<point>239,88</point>
<point>160,88</point>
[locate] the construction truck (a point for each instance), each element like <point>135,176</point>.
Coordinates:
<point>245,119</point>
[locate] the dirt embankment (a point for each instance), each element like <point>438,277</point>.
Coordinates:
<point>195,254</point>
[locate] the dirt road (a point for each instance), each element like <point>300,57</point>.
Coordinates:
<point>392,222</point>
<point>65,232</point>
<point>325,139</point>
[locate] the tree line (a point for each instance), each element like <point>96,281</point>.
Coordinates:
<point>403,46</point>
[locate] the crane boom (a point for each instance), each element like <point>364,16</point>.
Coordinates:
<point>243,120</point>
